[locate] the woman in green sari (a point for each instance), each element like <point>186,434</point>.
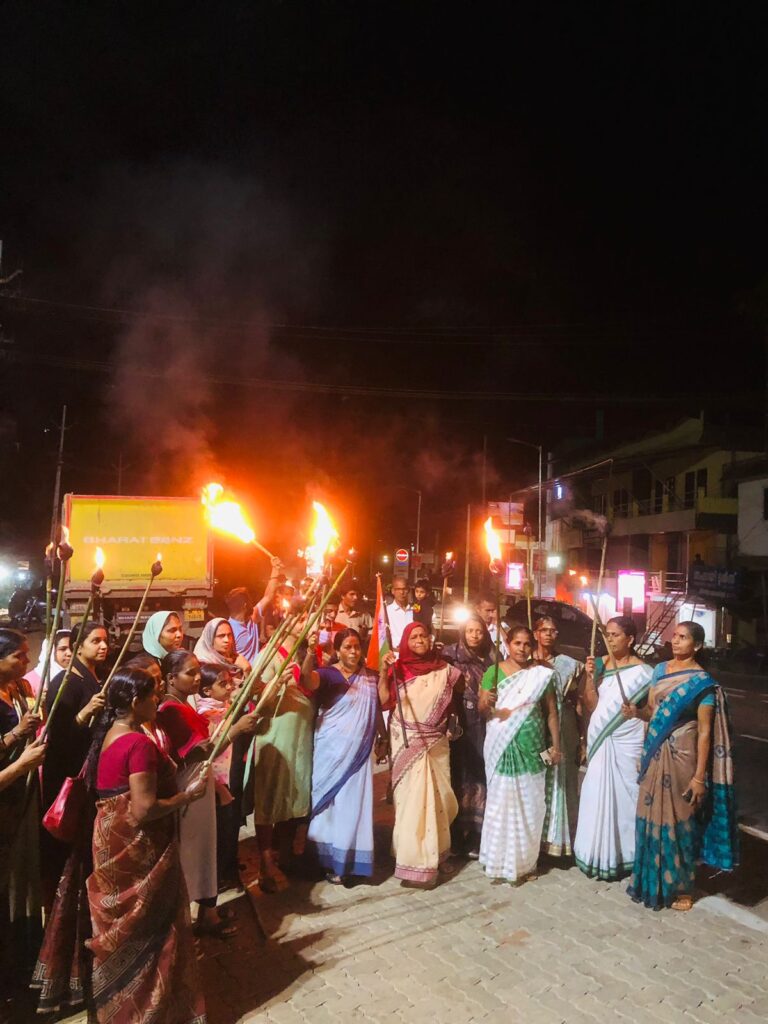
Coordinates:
<point>519,698</point>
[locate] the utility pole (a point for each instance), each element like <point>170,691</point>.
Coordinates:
<point>57,484</point>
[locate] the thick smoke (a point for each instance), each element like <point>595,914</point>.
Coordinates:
<point>207,260</point>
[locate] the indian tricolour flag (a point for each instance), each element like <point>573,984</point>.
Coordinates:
<point>379,642</point>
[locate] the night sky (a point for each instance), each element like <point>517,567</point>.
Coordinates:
<point>422,227</point>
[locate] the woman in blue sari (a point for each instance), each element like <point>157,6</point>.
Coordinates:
<point>341,825</point>
<point>686,810</point>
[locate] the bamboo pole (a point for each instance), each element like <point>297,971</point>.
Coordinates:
<point>64,556</point>
<point>157,568</point>
<point>600,625</point>
<point>599,588</point>
<point>238,704</point>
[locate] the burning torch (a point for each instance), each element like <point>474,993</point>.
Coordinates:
<point>63,552</point>
<point>447,569</point>
<point>226,516</point>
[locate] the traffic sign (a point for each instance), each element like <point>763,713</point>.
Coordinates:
<point>401,557</point>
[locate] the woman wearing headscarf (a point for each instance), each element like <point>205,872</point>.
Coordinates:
<point>216,646</point>
<point>686,810</point>
<point>518,697</point>
<point>425,804</point>
<point>20,918</point>
<point>341,829</point>
<point>162,634</point>
<point>69,735</point>
<point>562,779</point>
<point>472,655</point>
<point>59,659</point>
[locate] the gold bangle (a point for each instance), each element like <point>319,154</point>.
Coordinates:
<point>701,782</point>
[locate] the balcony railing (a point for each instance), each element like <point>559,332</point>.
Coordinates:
<point>653,506</point>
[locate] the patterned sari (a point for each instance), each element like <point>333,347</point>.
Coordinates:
<point>341,829</point>
<point>516,775</point>
<point>670,835</point>
<point>562,779</point>
<point>425,804</point>
<point>145,969</point>
<point>605,836</point>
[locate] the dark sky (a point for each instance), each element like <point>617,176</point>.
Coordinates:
<point>557,202</point>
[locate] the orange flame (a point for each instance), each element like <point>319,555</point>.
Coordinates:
<point>159,556</point>
<point>493,544</point>
<point>99,558</point>
<point>226,515</point>
<point>49,549</point>
<point>325,537</point>
<point>449,556</point>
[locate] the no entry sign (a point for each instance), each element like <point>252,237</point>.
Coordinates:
<point>401,557</point>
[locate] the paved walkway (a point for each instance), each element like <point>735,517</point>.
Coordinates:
<point>559,949</point>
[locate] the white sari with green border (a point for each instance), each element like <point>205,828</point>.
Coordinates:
<point>605,837</point>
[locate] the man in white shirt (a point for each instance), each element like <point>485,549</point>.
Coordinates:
<point>486,609</point>
<point>244,615</point>
<point>399,612</point>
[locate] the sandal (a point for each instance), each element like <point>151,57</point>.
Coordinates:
<point>221,929</point>
<point>683,903</point>
<point>333,878</point>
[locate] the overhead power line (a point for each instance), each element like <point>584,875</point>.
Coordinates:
<point>357,390</point>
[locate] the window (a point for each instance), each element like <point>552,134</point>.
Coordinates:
<point>599,503</point>
<point>701,481</point>
<point>689,495</point>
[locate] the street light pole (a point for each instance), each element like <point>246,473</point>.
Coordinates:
<point>540,449</point>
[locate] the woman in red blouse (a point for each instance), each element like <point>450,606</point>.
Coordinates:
<point>186,733</point>
<point>144,964</point>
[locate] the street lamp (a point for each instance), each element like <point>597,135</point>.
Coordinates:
<point>540,449</point>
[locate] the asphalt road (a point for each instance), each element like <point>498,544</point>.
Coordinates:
<point>748,698</point>
<point>748,701</point>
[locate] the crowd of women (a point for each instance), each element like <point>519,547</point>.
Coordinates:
<point>484,743</point>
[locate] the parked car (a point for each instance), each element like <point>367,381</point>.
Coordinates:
<point>573,625</point>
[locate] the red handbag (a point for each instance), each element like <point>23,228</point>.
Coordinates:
<point>63,817</point>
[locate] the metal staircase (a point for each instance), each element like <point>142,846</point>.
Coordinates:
<point>652,637</point>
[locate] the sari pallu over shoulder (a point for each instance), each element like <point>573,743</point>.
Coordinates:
<point>636,681</point>
<point>423,733</point>
<point>519,693</point>
<point>720,836</point>
<point>344,736</point>
<point>144,969</point>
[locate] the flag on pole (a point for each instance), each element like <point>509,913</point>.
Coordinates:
<point>379,644</point>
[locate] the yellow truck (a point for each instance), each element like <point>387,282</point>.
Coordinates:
<point>132,532</point>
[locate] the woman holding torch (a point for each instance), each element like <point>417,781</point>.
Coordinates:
<point>612,692</point>
<point>472,656</point>
<point>425,804</point>
<point>188,745</point>
<point>69,736</point>
<point>216,646</point>
<point>518,698</point>
<point>278,764</point>
<point>562,779</point>
<point>341,828</point>
<point>20,920</point>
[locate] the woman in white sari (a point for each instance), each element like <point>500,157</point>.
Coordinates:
<point>520,698</point>
<point>605,836</point>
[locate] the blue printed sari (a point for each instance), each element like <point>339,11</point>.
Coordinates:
<point>341,829</point>
<point>671,837</point>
